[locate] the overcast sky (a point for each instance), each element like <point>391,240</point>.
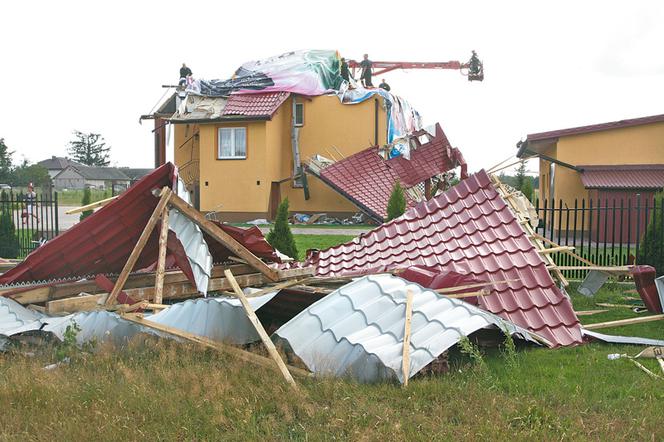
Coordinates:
<point>96,67</point>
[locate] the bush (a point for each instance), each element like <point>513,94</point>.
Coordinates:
<point>87,199</point>
<point>8,238</point>
<point>280,236</point>
<point>652,245</point>
<point>396,206</point>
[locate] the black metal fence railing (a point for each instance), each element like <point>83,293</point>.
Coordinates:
<point>26,221</point>
<point>607,232</point>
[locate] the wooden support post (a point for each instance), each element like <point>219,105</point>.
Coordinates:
<point>405,358</point>
<point>556,249</point>
<point>166,194</point>
<point>207,342</point>
<point>161,261</point>
<point>622,322</point>
<point>224,238</point>
<point>261,331</point>
<point>91,206</point>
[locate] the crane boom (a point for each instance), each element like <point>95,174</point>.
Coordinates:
<point>474,66</point>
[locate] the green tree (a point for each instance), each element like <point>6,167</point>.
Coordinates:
<point>280,236</point>
<point>5,162</point>
<point>87,199</point>
<point>527,188</point>
<point>8,238</point>
<point>521,175</point>
<point>396,205</point>
<point>652,245</point>
<point>30,173</point>
<point>89,149</point>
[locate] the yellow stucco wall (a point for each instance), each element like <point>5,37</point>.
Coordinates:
<point>243,186</point>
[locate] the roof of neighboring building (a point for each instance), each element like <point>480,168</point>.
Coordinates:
<point>636,176</point>
<point>258,105</point>
<point>467,229</point>
<point>58,163</point>
<point>358,330</point>
<point>135,174</point>
<point>367,179</point>
<point>595,128</point>
<point>98,173</point>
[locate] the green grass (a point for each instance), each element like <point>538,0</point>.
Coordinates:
<point>74,197</point>
<point>160,389</point>
<point>305,242</point>
<point>312,226</point>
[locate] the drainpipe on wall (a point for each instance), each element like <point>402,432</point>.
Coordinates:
<point>295,134</point>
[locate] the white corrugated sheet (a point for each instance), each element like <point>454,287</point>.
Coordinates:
<point>14,316</point>
<point>220,318</point>
<point>195,247</point>
<point>358,330</point>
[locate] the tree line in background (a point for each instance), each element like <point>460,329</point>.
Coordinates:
<point>86,148</point>
<point>521,181</point>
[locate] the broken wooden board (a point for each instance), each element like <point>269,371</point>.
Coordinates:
<point>621,322</point>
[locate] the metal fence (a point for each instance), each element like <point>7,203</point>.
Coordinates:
<point>607,232</point>
<point>33,218</point>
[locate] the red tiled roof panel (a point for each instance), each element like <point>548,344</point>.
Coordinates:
<point>255,105</point>
<point>647,176</point>
<point>468,229</point>
<point>367,179</point>
<point>595,128</point>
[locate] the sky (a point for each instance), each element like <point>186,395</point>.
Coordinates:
<point>98,66</point>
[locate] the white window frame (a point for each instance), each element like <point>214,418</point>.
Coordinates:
<point>233,132</point>
<point>301,123</point>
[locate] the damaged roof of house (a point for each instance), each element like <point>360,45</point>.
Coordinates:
<point>248,106</point>
<point>367,179</point>
<point>468,229</point>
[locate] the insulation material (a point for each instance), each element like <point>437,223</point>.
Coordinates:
<point>358,330</point>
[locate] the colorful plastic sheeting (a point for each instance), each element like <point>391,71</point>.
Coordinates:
<point>312,72</point>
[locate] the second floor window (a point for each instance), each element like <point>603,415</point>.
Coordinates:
<point>232,143</point>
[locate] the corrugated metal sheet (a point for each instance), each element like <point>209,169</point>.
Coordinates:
<point>644,176</point>
<point>629,340</point>
<point>14,316</point>
<point>468,229</point>
<point>358,329</point>
<point>195,248</point>
<point>220,318</point>
<point>367,179</point>
<point>255,105</point>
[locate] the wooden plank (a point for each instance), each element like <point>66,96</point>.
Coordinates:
<point>261,331</point>
<point>622,322</point>
<point>161,260</point>
<point>206,342</point>
<point>166,194</point>
<point>589,312</point>
<point>483,292</point>
<point>405,357</point>
<point>224,238</point>
<point>604,304</point>
<point>76,304</point>
<point>472,286</point>
<point>91,206</point>
<point>614,269</point>
<point>556,249</point>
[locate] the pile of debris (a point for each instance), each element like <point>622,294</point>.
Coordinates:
<point>385,305</point>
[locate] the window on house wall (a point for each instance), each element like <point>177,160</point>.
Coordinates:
<point>232,143</point>
<point>299,114</point>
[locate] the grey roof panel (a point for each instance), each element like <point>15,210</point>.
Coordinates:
<point>195,247</point>
<point>14,316</point>
<point>358,329</point>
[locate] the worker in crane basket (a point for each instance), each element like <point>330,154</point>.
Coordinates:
<point>366,66</point>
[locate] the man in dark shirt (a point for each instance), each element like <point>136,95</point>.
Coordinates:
<point>384,85</point>
<point>343,70</point>
<point>184,73</point>
<point>366,66</point>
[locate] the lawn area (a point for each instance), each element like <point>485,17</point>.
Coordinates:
<point>74,197</point>
<point>160,389</point>
<point>305,242</point>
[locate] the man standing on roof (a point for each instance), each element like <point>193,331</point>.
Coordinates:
<point>343,70</point>
<point>184,73</point>
<point>384,85</point>
<point>366,66</point>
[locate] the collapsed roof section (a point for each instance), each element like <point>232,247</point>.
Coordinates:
<point>468,229</point>
<point>367,178</point>
<point>358,330</point>
<point>260,106</point>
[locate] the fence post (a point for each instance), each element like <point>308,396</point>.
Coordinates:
<point>638,227</point>
<point>57,216</point>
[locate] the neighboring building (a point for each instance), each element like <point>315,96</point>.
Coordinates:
<point>236,153</point>
<point>135,174</point>
<point>55,165</point>
<point>621,161</point>
<point>79,177</point>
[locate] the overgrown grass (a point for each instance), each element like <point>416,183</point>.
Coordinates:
<point>74,197</point>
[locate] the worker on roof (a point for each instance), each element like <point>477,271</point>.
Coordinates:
<point>474,65</point>
<point>343,70</point>
<point>184,73</point>
<point>366,66</point>
<point>384,85</point>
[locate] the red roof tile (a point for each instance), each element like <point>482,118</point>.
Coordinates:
<point>595,128</point>
<point>254,105</point>
<point>641,176</point>
<point>468,229</point>
<point>366,179</point>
